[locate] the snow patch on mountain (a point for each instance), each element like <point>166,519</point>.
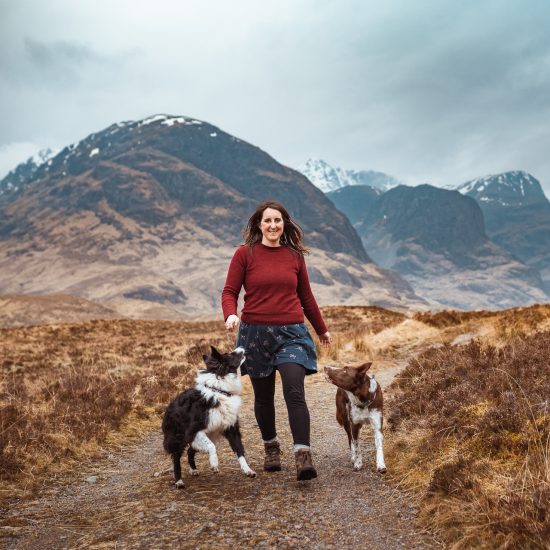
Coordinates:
<point>328,178</point>
<point>168,120</point>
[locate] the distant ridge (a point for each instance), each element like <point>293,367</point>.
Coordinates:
<point>515,188</point>
<point>517,216</point>
<point>436,239</point>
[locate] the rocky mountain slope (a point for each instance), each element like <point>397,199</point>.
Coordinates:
<point>517,216</point>
<point>14,182</point>
<point>144,217</point>
<point>436,239</point>
<point>328,178</point>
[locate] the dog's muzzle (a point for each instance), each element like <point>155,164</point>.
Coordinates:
<point>327,377</point>
<point>240,351</point>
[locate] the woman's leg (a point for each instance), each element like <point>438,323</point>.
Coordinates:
<point>292,376</point>
<point>264,405</point>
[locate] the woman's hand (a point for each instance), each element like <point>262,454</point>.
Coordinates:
<point>231,322</point>
<point>325,339</point>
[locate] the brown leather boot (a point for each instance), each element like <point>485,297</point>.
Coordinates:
<point>272,460</point>
<point>304,466</point>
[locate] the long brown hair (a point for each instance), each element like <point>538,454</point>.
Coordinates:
<point>292,236</point>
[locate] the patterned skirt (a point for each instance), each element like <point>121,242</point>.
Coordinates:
<point>267,346</point>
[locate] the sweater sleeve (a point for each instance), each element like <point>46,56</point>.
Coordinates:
<point>233,283</point>
<point>311,309</point>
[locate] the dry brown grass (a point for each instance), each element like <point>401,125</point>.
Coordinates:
<point>360,319</point>
<point>470,424</point>
<point>449,317</point>
<point>65,388</point>
<point>507,324</point>
<point>352,328</point>
<point>472,434</point>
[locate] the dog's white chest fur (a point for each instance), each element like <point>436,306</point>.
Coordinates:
<point>226,413</point>
<point>359,413</point>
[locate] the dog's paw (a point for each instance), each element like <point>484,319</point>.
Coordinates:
<point>180,484</point>
<point>250,473</point>
<point>193,472</point>
<point>215,469</point>
<point>381,469</point>
<point>357,467</point>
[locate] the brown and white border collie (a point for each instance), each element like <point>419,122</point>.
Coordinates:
<point>199,416</point>
<point>358,401</point>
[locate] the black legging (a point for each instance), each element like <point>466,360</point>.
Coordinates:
<point>292,376</point>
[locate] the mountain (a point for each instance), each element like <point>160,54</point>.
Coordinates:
<point>516,188</point>
<point>327,178</point>
<point>517,216</point>
<point>353,200</point>
<point>143,217</point>
<point>436,239</point>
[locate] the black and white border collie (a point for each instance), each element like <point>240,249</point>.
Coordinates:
<point>198,417</point>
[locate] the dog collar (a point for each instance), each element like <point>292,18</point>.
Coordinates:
<point>223,392</point>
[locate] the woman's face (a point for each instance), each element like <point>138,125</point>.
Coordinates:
<point>271,226</point>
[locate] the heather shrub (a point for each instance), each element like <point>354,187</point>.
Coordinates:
<point>483,424</point>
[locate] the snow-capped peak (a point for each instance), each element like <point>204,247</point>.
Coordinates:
<point>327,178</point>
<point>512,188</point>
<point>168,120</point>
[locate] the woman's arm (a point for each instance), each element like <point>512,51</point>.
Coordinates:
<point>233,284</point>
<point>311,309</point>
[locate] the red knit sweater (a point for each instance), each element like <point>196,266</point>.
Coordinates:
<point>276,286</point>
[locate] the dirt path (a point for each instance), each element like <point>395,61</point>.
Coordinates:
<point>119,502</point>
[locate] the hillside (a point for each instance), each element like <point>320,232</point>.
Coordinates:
<point>435,238</point>
<point>143,217</point>
<point>23,310</point>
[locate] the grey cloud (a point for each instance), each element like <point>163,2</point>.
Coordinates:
<point>430,90</point>
<point>59,62</point>
<point>62,64</point>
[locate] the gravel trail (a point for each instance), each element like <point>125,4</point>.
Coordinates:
<point>128,500</point>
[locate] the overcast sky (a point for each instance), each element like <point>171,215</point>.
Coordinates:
<point>430,91</point>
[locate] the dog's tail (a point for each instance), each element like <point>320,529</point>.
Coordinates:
<point>174,442</point>
<point>173,445</point>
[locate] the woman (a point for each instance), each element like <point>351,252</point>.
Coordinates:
<point>271,267</point>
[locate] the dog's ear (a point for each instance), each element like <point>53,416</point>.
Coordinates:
<point>365,367</point>
<point>215,352</point>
